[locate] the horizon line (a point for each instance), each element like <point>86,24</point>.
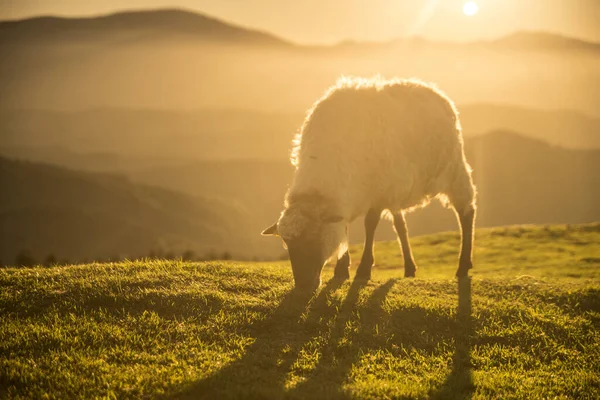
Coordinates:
<point>285,39</point>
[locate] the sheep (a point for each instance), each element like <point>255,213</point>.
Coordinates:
<point>369,146</point>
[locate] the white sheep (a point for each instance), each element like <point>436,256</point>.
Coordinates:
<point>369,146</point>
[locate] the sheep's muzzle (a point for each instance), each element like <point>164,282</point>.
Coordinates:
<point>306,265</point>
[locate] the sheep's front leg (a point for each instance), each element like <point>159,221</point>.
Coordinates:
<point>366,263</point>
<point>410,267</point>
<point>342,271</point>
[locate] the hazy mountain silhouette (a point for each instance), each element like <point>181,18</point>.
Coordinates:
<point>565,128</point>
<point>519,180</point>
<point>538,41</point>
<point>128,140</point>
<point>135,26</point>
<point>159,135</point>
<point>79,216</point>
<point>181,60</point>
<point>519,41</point>
<point>83,215</point>
<point>173,23</point>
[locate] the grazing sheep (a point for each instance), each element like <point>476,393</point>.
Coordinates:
<point>369,146</point>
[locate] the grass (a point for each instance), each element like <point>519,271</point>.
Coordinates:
<point>525,326</point>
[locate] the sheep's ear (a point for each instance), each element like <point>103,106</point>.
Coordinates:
<point>271,231</point>
<point>332,218</point>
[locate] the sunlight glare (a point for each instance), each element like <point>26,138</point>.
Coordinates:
<point>470,8</point>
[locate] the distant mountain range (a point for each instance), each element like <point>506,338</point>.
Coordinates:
<point>112,139</point>
<point>179,23</point>
<point>196,116</point>
<point>47,210</point>
<point>51,210</point>
<point>531,40</point>
<point>519,180</point>
<point>566,128</point>
<point>174,59</point>
<point>133,26</point>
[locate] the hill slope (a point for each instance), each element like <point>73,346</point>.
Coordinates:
<point>527,326</point>
<point>563,128</point>
<point>50,210</point>
<point>210,134</point>
<point>519,180</point>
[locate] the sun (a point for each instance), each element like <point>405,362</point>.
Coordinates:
<point>470,8</point>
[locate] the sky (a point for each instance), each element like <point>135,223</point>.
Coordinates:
<point>332,21</point>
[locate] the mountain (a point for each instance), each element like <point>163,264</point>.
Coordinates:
<point>119,140</point>
<point>542,41</point>
<point>566,128</point>
<point>141,25</point>
<point>101,136</point>
<point>173,59</point>
<point>132,26</point>
<point>523,180</point>
<point>82,216</point>
<point>520,180</point>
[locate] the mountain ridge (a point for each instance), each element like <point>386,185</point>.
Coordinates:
<point>166,21</point>
<point>48,209</point>
<point>519,179</point>
<point>190,23</point>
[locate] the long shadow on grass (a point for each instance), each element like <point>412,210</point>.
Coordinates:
<point>343,350</point>
<point>262,371</point>
<point>369,329</point>
<point>459,383</point>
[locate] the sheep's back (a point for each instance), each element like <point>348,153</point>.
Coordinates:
<point>390,140</point>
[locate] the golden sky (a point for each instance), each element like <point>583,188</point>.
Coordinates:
<point>330,21</point>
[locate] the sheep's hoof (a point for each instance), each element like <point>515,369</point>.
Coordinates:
<point>410,270</point>
<point>341,271</point>
<point>410,273</point>
<point>341,275</point>
<point>463,269</point>
<point>362,277</point>
<point>363,273</point>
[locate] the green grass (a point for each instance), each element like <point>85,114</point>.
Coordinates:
<point>525,326</point>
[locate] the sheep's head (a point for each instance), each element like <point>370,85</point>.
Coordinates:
<point>312,236</point>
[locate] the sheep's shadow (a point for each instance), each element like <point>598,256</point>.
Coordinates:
<point>343,351</point>
<point>266,366</point>
<point>459,383</point>
<point>261,372</point>
<point>335,364</point>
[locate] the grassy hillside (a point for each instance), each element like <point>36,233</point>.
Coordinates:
<point>525,326</point>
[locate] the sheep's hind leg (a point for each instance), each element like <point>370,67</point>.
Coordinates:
<point>466,218</point>
<point>366,263</point>
<point>341,271</point>
<point>410,267</point>
<point>462,197</point>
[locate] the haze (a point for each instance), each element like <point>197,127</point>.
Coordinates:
<point>145,145</point>
<point>330,21</point>
<point>201,104</point>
